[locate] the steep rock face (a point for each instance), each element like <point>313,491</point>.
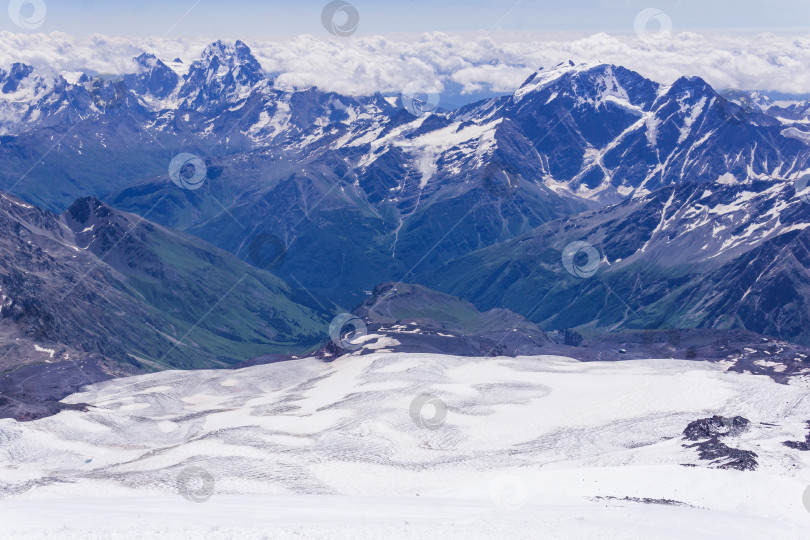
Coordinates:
<point>223,73</point>
<point>156,79</point>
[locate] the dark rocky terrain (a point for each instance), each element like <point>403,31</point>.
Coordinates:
<point>34,390</point>
<point>423,320</point>
<point>742,351</point>
<point>707,433</point>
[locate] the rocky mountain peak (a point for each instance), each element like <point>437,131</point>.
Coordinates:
<point>691,86</point>
<point>237,52</point>
<point>223,71</point>
<point>154,79</point>
<point>11,79</point>
<point>87,209</point>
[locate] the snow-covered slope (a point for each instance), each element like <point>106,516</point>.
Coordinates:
<point>403,444</point>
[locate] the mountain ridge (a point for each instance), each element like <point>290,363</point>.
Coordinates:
<point>357,192</point>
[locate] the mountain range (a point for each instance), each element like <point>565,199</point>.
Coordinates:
<point>359,190</point>
<point>687,204</point>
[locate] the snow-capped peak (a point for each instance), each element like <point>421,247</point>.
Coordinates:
<point>11,79</point>
<point>224,71</point>
<point>543,77</point>
<point>233,56</point>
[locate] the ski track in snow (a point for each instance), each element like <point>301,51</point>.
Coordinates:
<point>325,450</point>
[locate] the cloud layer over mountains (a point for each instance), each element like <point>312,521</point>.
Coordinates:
<point>470,63</point>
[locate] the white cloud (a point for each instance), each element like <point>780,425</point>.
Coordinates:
<point>478,62</point>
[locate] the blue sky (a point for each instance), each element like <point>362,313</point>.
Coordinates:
<point>284,18</point>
